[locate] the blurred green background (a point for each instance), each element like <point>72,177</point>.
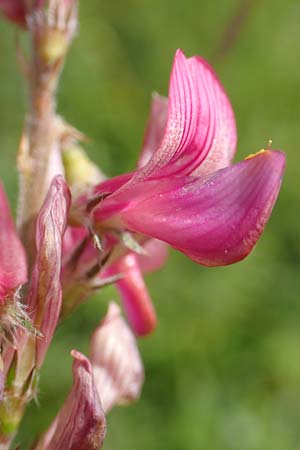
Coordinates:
<point>223,367</point>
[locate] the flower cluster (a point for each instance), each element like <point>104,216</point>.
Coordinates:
<point>88,231</point>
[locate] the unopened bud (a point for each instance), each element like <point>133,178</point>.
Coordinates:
<point>116,361</point>
<point>53,46</point>
<point>80,171</point>
<point>80,424</point>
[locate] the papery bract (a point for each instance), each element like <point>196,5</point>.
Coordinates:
<point>118,369</point>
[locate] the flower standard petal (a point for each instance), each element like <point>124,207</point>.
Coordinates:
<point>198,137</point>
<point>214,220</point>
<point>117,365</point>
<point>200,123</point>
<point>13,266</point>
<point>80,424</point>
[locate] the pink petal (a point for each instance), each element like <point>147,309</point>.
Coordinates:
<point>155,128</point>
<point>13,266</point>
<point>199,138</point>
<point>156,254</point>
<point>216,220</point>
<point>45,289</point>
<point>112,184</point>
<point>80,424</point>
<point>122,198</point>
<point>200,123</point>
<point>134,294</point>
<point>117,365</point>
<point>86,202</point>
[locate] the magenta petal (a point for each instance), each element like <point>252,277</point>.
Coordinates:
<point>155,128</point>
<point>45,288</point>
<point>200,123</point>
<point>87,202</point>
<point>80,424</point>
<point>134,294</point>
<point>112,184</point>
<point>13,266</point>
<point>216,220</point>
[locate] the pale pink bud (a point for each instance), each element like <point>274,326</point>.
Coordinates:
<point>80,424</point>
<point>45,289</point>
<point>117,365</point>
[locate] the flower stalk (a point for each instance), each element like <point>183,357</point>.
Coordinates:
<point>51,31</point>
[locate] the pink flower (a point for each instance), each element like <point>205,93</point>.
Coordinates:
<point>184,191</point>
<point>186,194</point>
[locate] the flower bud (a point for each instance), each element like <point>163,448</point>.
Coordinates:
<point>80,424</point>
<point>81,173</point>
<point>117,365</point>
<point>45,289</point>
